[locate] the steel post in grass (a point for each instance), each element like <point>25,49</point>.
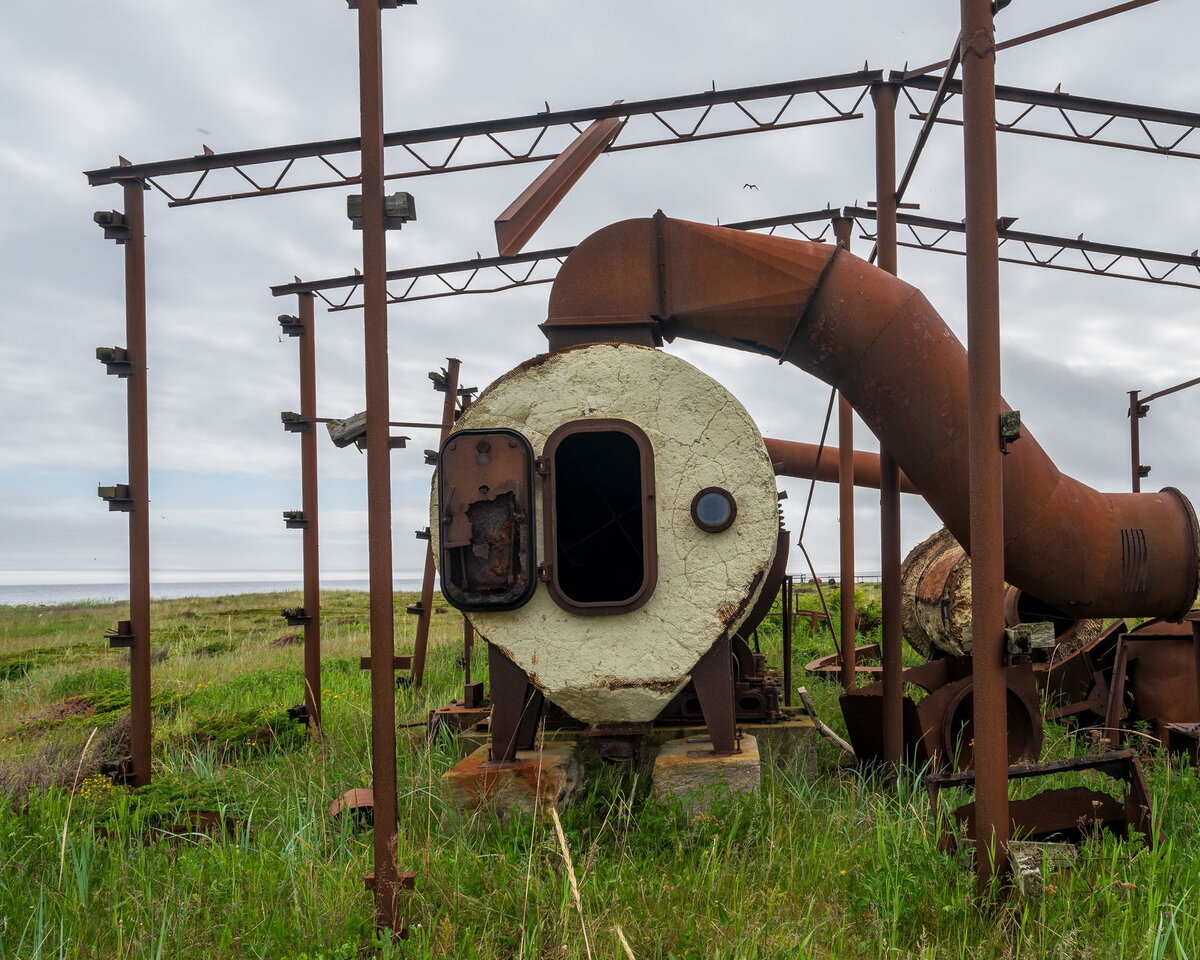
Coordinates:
<point>312,536</point>
<point>985,478</point>
<point>788,621</point>
<point>892,631</point>
<point>421,643</point>
<point>842,228</point>
<point>1135,440</point>
<point>379,493</point>
<point>139,481</point>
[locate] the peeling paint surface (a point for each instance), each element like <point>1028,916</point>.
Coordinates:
<point>627,667</point>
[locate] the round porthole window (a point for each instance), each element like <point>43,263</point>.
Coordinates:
<point>714,509</point>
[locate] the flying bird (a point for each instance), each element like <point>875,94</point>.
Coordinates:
<point>749,186</point>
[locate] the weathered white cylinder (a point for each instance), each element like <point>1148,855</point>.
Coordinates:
<point>626,667</point>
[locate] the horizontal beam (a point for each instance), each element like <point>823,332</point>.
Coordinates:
<point>1016,246</point>
<point>1170,390</point>
<point>446,141</point>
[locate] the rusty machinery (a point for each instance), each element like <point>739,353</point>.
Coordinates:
<point>626,289</point>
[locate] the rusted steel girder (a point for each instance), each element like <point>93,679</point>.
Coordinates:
<point>529,211</point>
<point>878,340</point>
<point>312,536</point>
<point>842,228</point>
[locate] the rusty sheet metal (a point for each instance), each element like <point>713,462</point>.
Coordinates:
<point>529,211</point>
<point>830,665</point>
<point>1156,678</point>
<point>1069,813</point>
<point>485,488</point>
<point>879,341</point>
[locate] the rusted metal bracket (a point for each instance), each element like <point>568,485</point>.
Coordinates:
<point>295,520</point>
<point>295,616</point>
<point>117,496</point>
<point>122,636</point>
<point>291,326</point>
<point>294,422</point>
<point>116,361</point>
<point>398,209</point>
<point>384,4</point>
<point>112,222</point>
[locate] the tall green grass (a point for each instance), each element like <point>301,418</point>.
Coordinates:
<point>841,866</point>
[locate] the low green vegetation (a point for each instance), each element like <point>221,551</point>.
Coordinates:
<point>840,866</point>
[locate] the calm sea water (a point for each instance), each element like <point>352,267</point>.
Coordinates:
<point>52,593</point>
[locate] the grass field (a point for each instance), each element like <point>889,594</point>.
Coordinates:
<point>836,867</point>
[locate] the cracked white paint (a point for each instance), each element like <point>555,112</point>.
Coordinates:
<point>627,667</point>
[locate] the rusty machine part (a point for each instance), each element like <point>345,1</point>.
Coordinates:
<point>939,727</point>
<point>936,587</point>
<point>867,660</point>
<point>1061,814</point>
<point>877,340</point>
<point>1156,679</point>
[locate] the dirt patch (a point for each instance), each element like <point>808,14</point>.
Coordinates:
<point>287,640</point>
<point>82,706</point>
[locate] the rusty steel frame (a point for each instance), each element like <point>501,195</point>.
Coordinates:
<point>385,882</point>
<point>887,199</point>
<point>1026,250</point>
<point>425,615</point>
<point>985,473</point>
<point>843,228</point>
<point>447,141</point>
<point>310,506</point>
<point>1132,133</point>
<point>1139,406</point>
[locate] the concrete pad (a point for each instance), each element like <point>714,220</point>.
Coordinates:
<point>538,779</point>
<point>693,773</point>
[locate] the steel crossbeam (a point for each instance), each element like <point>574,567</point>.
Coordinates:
<point>709,115</point>
<point>493,274</point>
<point>1054,115</point>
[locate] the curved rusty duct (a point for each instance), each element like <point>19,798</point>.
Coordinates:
<point>792,458</point>
<point>877,339</point>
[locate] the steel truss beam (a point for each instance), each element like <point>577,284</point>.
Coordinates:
<point>474,146</point>
<point>493,274</point>
<point>1061,116</point>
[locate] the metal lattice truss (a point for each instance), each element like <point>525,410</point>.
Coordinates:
<point>1061,116</point>
<point>211,177</point>
<point>494,274</point>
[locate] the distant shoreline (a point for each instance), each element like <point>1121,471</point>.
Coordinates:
<point>54,594</point>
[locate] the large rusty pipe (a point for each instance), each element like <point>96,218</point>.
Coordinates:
<point>877,339</point>
<point>137,420</point>
<point>810,461</point>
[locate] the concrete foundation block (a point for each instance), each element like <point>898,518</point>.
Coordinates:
<point>694,774</point>
<point>538,779</point>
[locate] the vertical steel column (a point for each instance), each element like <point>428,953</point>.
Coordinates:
<point>379,476</point>
<point>1135,440</point>
<point>312,535</point>
<point>892,637</point>
<point>842,227</point>
<point>978,55</point>
<point>787,639</point>
<point>421,643</point>
<point>139,481</point>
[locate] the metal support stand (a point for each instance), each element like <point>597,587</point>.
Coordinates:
<point>985,475</point>
<point>386,883</point>
<point>1135,439</point>
<point>516,708</point>
<point>788,624</point>
<point>312,536</point>
<point>842,227</point>
<point>713,679</point>
<point>892,635</point>
<point>421,642</point>
<point>138,483</point>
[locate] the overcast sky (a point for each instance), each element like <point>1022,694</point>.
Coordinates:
<point>154,79</point>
